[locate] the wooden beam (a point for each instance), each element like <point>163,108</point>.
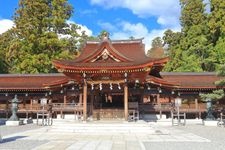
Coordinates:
<point>126,102</point>
<point>85,102</point>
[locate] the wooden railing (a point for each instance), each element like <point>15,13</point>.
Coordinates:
<point>168,107</point>
<point>79,106</point>
<point>68,106</point>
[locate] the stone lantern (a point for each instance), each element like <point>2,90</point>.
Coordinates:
<point>209,109</point>
<point>14,120</point>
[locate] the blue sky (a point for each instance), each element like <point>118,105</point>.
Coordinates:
<point>122,18</point>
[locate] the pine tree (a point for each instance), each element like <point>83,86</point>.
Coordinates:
<point>216,24</point>
<point>8,42</point>
<point>156,50</point>
<point>42,34</point>
<point>217,94</point>
<point>188,50</point>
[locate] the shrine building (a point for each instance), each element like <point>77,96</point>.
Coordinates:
<point>110,79</point>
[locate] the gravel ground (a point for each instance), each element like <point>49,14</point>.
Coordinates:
<point>215,134</point>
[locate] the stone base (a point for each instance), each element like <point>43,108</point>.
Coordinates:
<point>194,121</point>
<point>13,123</point>
<point>27,121</point>
<point>153,117</point>
<point>164,122</point>
<point>210,123</point>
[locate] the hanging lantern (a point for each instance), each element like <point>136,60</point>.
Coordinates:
<point>100,86</point>
<point>111,87</point>
<point>119,86</point>
<point>92,86</point>
<point>61,91</point>
<point>160,90</point>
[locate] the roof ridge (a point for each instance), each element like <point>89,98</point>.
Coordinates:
<point>34,75</point>
<point>123,41</point>
<point>188,73</point>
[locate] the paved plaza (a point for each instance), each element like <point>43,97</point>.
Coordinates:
<point>112,136</point>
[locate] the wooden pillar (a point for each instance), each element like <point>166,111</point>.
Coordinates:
<point>7,109</point>
<point>85,102</point>
<point>126,102</point>
<point>92,103</point>
<point>31,103</point>
<point>80,98</point>
<point>64,100</point>
<point>196,107</point>
<point>158,99</point>
<point>159,105</point>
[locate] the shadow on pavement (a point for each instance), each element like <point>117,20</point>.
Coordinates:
<point>11,139</point>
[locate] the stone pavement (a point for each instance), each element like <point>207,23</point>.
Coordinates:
<point>99,136</point>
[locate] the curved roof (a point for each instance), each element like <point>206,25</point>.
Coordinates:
<point>121,54</point>
<point>38,82</point>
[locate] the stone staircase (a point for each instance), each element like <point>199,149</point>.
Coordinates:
<point>101,127</point>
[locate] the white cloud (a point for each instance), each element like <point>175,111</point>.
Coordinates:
<point>107,26</point>
<point>85,28</point>
<point>137,30</point>
<point>167,11</point>
<point>82,28</point>
<point>5,24</point>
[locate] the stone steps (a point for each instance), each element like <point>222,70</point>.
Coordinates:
<point>101,127</point>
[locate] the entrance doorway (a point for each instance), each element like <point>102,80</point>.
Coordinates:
<point>108,106</point>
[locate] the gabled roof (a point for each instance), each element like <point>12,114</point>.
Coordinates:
<point>120,54</point>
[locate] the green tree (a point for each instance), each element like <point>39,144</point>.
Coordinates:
<point>216,20</point>
<point>188,49</point>
<point>195,40</point>
<point>42,34</point>
<point>102,34</point>
<point>172,46</point>
<point>7,45</point>
<point>156,50</point>
<point>216,23</point>
<point>217,94</point>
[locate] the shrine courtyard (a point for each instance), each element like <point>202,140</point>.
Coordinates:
<point>110,80</point>
<point>112,136</point>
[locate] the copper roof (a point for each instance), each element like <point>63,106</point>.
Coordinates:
<point>192,80</point>
<point>130,53</point>
<point>29,82</point>
<point>162,82</point>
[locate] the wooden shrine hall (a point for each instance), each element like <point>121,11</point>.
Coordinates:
<point>111,79</point>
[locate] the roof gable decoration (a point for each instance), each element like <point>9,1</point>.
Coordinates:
<point>105,54</point>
